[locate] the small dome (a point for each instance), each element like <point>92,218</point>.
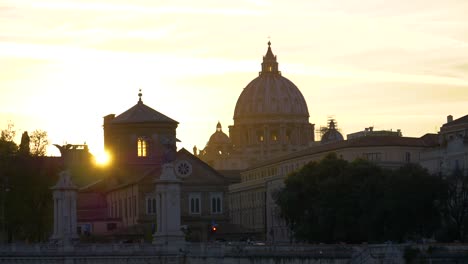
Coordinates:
<point>218,137</point>
<point>332,134</point>
<point>270,94</point>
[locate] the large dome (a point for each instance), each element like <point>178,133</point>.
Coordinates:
<point>270,94</point>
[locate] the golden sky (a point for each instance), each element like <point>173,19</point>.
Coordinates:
<point>389,64</point>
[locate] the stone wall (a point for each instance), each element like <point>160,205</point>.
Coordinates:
<point>227,253</point>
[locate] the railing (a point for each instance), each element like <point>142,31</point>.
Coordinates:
<point>226,249</point>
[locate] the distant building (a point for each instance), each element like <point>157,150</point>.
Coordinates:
<point>452,152</point>
<point>370,132</point>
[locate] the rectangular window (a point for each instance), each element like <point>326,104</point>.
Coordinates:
<point>111,209</point>
<point>129,206</point>
<point>216,203</point>
<point>153,206</point>
<point>120,207</point>
<point>148,205</point>
<point>407,157</point>
<point>372,156</point>
<point>195,203</point>
<point>125,205</point>
<point>134,206</point>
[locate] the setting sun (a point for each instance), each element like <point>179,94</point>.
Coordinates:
<point>102,158</point>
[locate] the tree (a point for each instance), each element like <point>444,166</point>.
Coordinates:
<point>24,148</point>
<point>9,133</point>
<point>8,147</point>
<point>338,201</point>
<point>29,207</point>
<point>455,207</point>
<point>411,202</point>
<point>39,142</point>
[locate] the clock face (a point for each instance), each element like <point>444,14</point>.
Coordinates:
<point>183,168</point>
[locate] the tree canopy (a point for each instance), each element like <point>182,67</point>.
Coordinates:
<point>25,181</point>
<point>334,200</point>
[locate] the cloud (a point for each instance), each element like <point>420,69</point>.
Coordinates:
<point>139,9</point>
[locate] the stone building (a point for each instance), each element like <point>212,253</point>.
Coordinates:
<point>370,132</point>
<point>123,203</point>
<point>251,201</point>
<point>271,119</point>
<point>452,152</point>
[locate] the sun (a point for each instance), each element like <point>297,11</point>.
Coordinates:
<point>102,158</point>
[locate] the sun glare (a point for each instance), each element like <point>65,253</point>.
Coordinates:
<point>102,158</point>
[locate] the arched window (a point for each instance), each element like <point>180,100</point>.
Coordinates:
<point>142,147</point>
<point>194,203</point>
<point>150,205</point>
<point>216,203</point>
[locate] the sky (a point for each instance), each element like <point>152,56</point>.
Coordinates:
<point>64,65</point>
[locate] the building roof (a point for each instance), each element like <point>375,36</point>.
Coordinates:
<point>461,120</point>
<point>428,140</point>
<point>123,176</point>
<point>141,113</point>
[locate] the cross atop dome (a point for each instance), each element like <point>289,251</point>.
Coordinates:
<point>139,95</point>
<point>269,64</point>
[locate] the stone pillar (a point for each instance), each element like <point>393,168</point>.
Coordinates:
<point>168,232</point>
<point>282,134</point>
<point>64,195</point>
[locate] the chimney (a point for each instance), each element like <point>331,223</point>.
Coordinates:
<point>449,118</point>
<point>109,118</point>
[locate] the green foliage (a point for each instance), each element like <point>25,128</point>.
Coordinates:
<point>455,208</point>
<point>29,206</point>
<point>9,133</point>
<point>39,142</point>
<point>26,198</point>
<point>7,146</point>
<point>338,201</point>
<point>24,148</point>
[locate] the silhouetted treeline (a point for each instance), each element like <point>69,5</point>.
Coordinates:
<point>26,196</point>
<point>339,201</point>
<point>26,206</point>
<point>26,176</point>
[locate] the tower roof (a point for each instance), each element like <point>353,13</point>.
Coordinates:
<point>269,64</point>
<point>141,113</point>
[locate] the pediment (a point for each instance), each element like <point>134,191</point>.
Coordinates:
<point>202,173</point>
